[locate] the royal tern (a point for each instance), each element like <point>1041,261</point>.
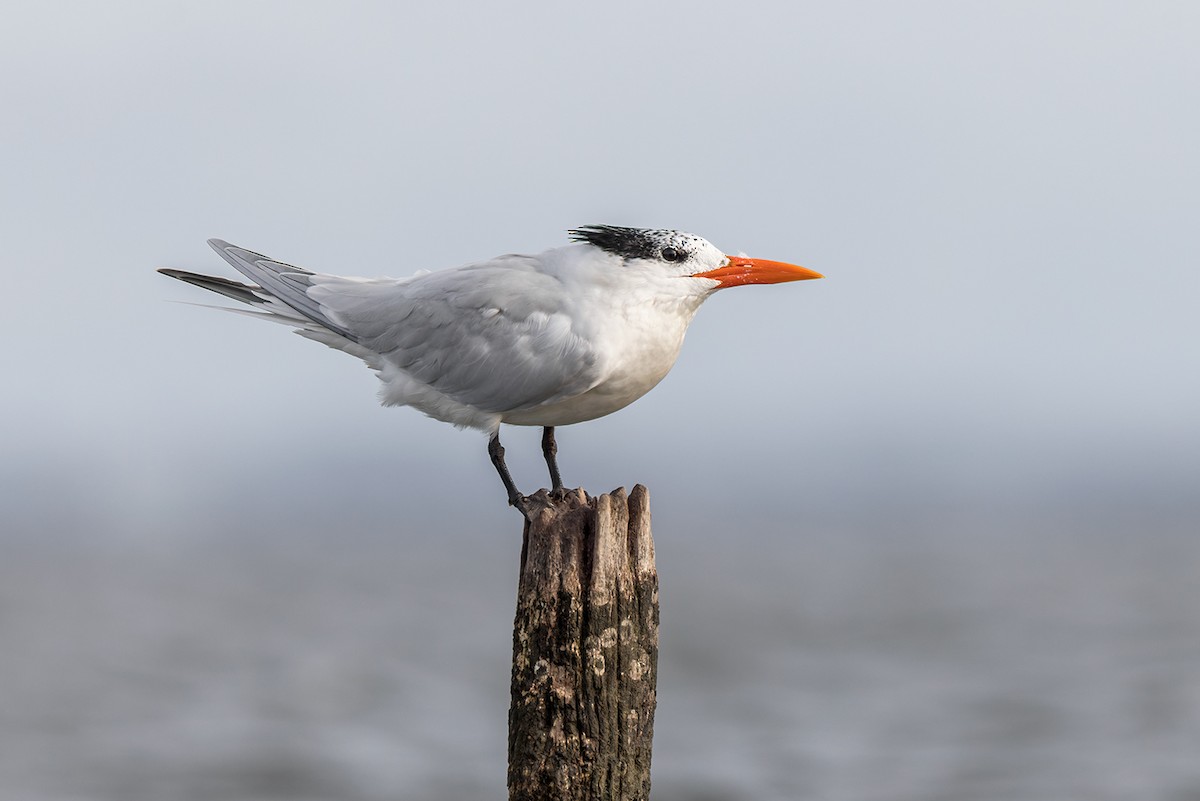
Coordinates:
<point>567,335</point>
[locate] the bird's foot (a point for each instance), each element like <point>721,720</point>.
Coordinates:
<point>559,494</point>
<point>530,505</point>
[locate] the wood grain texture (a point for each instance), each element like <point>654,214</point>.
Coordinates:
<point>585,651</point>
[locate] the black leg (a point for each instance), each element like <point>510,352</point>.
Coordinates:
<point>550,451</point>
<point>496,451</point>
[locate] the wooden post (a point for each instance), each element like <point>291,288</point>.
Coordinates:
<point>585,652</point>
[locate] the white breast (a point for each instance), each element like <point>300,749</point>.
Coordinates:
<point>639,334</point>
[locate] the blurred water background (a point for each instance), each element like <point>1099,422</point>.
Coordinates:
<point>905,662</point>
<point>926,529</point>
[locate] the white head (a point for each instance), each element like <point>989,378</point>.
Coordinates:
<point>687,255</point>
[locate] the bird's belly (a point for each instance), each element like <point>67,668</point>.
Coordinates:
<point>616,392</point>
<point>642,341</point>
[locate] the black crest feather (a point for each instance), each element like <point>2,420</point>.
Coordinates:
<point>632,243</point>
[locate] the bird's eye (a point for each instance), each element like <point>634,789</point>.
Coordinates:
<point>671,254</point>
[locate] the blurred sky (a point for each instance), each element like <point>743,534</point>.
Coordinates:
<point>1004,198</point>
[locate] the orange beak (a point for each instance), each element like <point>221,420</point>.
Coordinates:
<point>742,270</point>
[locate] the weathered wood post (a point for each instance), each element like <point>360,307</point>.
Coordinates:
<point>585,652</point>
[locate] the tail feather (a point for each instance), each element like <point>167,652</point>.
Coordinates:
<point>235,290</point>
<point>265,304</point>
<point>269,307</point>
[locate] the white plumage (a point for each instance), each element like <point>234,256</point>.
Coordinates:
<point>561,337</point>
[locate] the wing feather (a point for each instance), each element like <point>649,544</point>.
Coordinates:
<point>284,281</point>
<point>496,336</point>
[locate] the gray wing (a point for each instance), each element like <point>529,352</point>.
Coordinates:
<point>284,281</point>
<point>495,335</point>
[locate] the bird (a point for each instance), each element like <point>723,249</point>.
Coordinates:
<point>561,337</point>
